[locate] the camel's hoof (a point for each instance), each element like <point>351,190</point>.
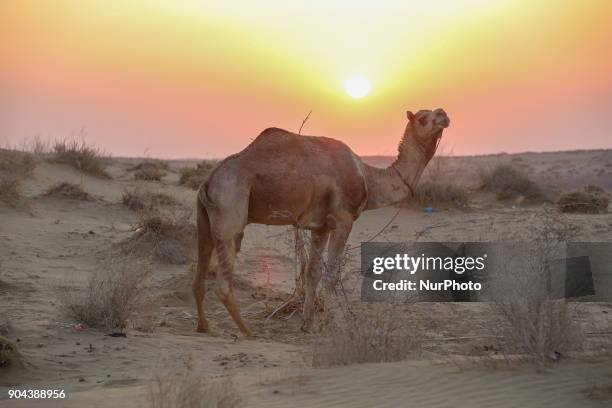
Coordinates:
<point>202,328</point>
<point>306,328</point>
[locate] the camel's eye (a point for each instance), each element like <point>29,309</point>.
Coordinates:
<point>423,120</point>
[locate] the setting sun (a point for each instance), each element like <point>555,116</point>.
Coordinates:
<point>357,86</point>
<point>174,75</point>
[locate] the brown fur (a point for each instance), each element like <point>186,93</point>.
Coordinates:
<point>315,183</point>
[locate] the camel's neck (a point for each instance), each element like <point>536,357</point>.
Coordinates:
<point>388,186</point>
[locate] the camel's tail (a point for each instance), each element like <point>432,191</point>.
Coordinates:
<point>205,238</point>
<point>205,251</point>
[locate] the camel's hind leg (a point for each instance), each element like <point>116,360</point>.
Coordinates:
<point>205,248</point>
<point>226,253</point>
<point>313,275</point>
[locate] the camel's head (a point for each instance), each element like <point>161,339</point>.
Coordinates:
<point>426,126</point>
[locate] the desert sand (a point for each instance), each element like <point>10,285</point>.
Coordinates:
<point>55,242</point>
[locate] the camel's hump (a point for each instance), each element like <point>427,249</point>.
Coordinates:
<point>276,136</point>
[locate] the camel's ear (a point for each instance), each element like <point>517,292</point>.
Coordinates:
<point>410,116</point>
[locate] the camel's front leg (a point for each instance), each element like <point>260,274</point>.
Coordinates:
<point>337,243</point>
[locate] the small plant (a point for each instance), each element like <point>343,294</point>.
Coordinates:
<point>430,193</point>
<point>151,170</point>
<point>16,162</point>
<point>14,167</point>
<point>5,324</point>
<point>188,390</point>
<point>9,190</point>
<point>376,333</point>
<point>598,391</point>
<point>68,191</point>
<point>160,223</point>
<point>591,200</point>
<point>194,177</point>
<point>509,183</point>
<point>81,156</point>
<point>136,199</point>
<point>9,356</point>
<point>531,321</point>
<point>160,164</point>
<point>39,147</point>
<point>438,187</point>
<point>166,232</point>
<point>111,297</point>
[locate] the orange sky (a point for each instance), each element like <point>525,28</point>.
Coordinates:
<point>196,78</point>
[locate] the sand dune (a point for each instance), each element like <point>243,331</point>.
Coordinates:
<point>56,242</point>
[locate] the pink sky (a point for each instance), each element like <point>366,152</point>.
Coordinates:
<point>189,81</point>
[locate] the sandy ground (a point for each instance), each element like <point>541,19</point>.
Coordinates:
<point>57,242</point>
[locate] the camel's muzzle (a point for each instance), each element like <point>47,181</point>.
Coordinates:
<point>441,120</point>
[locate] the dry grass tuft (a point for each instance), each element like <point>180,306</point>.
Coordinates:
<point>438,188</point>
<point>111,297</point>
<point>166,232</point>
<point>531,322</point>
<point>374,333</point>
<point>9,190</point>
<point>537,328</point>
<point>14,167</point>
<point>194,177</point>
<point>83,157</point>
<point>598,392</point>
<point>137,199</point>
<point>5,326</point>
<point>189,390</point>
<point>9,356</point>
<point>16,162</point>
<point>441,194</point>
<point>150,170</point>
<point>158,163</point>
<point>509,183</point>
<point>591,200</point>
<point>67,191</point>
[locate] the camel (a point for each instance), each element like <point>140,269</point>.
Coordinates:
<point>314,183</point>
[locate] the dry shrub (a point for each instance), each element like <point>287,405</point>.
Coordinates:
<point>9,356</point>
<point>591,200</point>
<point>509,183</point>
<point>167,233</point>
<point>81,156</point>
<point>537,328</point>
<point>9,190</point>
<point>16,162</point>
<point>5,326</point>
<point>437,186</point>
<point>39,147</point>
<point>440,194</point>
<point>187,389</point>
<point>137,199</point>
<point>374,333</point>
<point>531,322</point>
<point>194,177</point>
<point>14,167</point>
<point>598,391</point>
<point>157,163</point>
<point>111,297</point>
<point>151,170</point>
<point>67,191</point>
